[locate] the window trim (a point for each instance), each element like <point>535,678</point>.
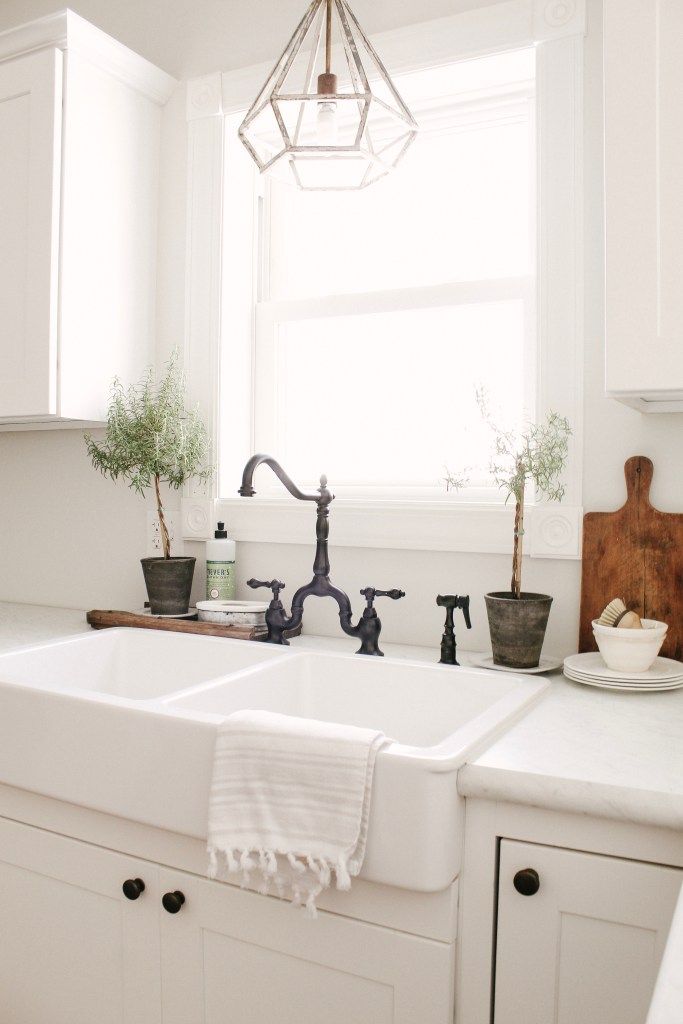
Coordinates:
<point>554,530</point>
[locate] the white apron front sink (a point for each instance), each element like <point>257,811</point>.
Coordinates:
<point>127,726</point>
<point>137,664</point>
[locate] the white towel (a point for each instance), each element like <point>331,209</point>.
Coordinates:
<point>292,788</point>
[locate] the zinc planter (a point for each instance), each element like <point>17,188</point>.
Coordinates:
<point>517,627</point>
<point>169,583</point>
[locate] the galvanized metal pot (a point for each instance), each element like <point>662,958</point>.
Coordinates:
<point>517,627</point>
<point>169,583</point>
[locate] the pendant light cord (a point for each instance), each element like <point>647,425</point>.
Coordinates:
<point>328,38</point>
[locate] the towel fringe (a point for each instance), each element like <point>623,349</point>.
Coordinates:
<point>311,909</point>
<point>319,871</point>
<point>232,862</point>
<point>342,872</point>
<point>213,861</point>
<point>296,864</point>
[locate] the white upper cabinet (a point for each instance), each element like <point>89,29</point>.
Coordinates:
<point>30,144</point>
<point>79,153</point>
<point>643,43</point>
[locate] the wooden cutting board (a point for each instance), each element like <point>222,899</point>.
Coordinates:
<point>101,619</point>
<point>635,553</point>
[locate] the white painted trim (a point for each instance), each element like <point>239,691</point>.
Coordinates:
<point>201,356</point>
<point>66,30</point>
<point>555,19</point>
<point>559,128</point>
<point>204,97</point>
<point>554,531</point>
<point>649,401</point>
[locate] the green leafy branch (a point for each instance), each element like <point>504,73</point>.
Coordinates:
<point>152,439</point>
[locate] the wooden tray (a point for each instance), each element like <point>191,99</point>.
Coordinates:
<point>100,619</point>
<point>635,553</point>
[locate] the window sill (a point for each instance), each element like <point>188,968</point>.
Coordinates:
<point>552,531</point>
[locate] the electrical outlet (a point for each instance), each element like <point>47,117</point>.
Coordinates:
<point>154,546</point>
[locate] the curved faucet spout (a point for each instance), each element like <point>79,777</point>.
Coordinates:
<point>278,622</point>
<point>323,497</point>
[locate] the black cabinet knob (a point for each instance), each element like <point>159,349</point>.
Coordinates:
<point>173,901</point>
<point>527,882</point>
<point>132,887</point>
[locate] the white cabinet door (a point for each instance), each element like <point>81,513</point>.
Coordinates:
<point>73,949</point>
<point>30,141</point>
<point>643,42</point>
<point>585,948</point>
<point>232,955</point>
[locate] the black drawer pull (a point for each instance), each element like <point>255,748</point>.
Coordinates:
<point>173,901</point>
<point>132,888</point>
<point>527,882</point>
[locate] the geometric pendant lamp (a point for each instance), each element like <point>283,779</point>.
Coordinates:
<point>328,116</point>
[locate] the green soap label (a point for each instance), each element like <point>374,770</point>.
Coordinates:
<point>220,581</point>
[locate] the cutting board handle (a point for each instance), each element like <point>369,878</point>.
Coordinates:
<point>638,471</point>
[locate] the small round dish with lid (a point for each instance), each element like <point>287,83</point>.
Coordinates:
<point>233,613</point>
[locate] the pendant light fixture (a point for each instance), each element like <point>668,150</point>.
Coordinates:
<point>328,116</point>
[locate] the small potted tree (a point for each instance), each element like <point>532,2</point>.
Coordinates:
<point>151,439</point>
<point>518,620</point>
<point>537,455</point>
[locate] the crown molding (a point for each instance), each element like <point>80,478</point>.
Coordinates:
<point>66,30</point>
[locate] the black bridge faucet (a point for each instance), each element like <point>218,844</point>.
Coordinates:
<point>368,626</point>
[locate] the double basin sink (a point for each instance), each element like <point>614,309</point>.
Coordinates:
<point>124,721</point>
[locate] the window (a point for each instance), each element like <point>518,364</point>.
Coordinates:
<point>379,313</point>
<point>359,356</point>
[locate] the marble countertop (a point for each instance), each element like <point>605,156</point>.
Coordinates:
<point>614,755</point>
<point>611,754</point>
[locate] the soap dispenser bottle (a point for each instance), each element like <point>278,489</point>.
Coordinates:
<point>220,566</point>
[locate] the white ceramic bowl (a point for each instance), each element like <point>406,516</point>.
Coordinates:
<point>630,650</point>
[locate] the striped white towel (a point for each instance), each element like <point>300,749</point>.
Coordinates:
<point>294,789</point>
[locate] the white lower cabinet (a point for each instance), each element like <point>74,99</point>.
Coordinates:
<point>73,949</point>
<point>231,955</point>
<point>585,947</point>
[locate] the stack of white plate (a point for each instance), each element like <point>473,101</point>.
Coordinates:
<point>590,669</point>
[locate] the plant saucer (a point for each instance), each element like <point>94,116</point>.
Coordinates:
<point>191,613</point>
<point>547,664</point>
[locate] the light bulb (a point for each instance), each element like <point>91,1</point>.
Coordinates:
<point>326,124</point>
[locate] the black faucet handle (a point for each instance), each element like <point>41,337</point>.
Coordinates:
<point>275,585</point>
<point>452,601</point>
<point>370,593</point>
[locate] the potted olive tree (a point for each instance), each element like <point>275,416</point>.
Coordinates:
<point>151,439</point>
<point>536,456</point>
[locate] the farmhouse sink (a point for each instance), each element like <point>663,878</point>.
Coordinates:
<point>140,710</point>
<point>432,712</point>
<point>136,664</point>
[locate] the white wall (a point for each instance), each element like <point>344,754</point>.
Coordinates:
<point>69,537</point>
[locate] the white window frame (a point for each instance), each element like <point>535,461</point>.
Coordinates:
<point>554,530</point>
